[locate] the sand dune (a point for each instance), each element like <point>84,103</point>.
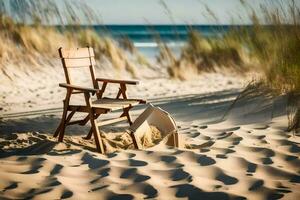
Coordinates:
<point>241,153</point>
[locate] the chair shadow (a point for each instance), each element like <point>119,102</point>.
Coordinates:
<point>43,124</point>
<point>41,147</point>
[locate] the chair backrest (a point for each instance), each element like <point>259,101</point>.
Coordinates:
<point>78,58</point>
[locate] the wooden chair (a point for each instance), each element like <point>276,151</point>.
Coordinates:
<point>84,57</point>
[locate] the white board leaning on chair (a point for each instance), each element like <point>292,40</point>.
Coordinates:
<point>155,116</point>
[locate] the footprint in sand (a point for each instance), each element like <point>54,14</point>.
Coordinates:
<point>98,188</point>
<point>56,169</point>
<point>232,129</point>
<point>11,186</point>
<point>132,174</point>
<point>267,161</point>
<point>256,185</point>
<point>92,162</point>
<point>207,144</point>
<point>204,160</point>
<point>179,174</point>
<point>295,148</point>
<point>226,179</point>
<point>35,165</point>
<point>149,191</point>
<point>103,173</point>
<point>260,127</point>
<point>224,135</point>
<point>137,163</point>
<point>168,159</point>
<point>53,183</point>
<point>194,135</point>
<point>66,194</point>
<point>222,156</point>
<point>193,193</point>
<point>111,155</point>
<point>251,167</point>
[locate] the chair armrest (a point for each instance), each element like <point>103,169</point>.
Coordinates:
<point>83,89</point>
<point>130,82</point>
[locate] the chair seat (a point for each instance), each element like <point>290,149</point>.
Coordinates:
<point>107,104</point>
<point>114,104</point>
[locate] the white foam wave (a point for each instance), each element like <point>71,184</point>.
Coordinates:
<point>154,44</point>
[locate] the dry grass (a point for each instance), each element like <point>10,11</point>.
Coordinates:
<point>202,54</point>
<point>27,44</point>
<point>277,48</point>
<point>22,41</point>
<point>272,50</point>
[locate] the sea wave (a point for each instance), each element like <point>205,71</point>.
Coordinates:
<point>155,44</point>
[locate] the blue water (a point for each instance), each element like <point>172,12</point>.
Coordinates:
<point>165,32</point>
<point>144,37</point>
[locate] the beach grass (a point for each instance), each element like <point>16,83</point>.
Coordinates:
<point>27,44</point>
<point>270,47</point>
<point>28,41</point>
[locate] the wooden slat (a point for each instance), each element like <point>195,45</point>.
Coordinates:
<point>130,82</point>
<point>111,121</point>
<point>113,104</point>
<point>79,88</point>
<point>80,108</point>
<point>80,62</point>
<point>77,53</point>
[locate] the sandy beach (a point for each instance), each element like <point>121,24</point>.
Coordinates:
<point>161,99</point>
<point>228,150</point>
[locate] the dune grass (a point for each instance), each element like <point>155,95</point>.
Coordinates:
<point>26,44</point>
<point>203,54</point>
<point>33,39</point>
<point>277,48</point>
<point>271,47</point>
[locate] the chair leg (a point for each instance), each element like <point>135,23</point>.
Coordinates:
<point>57,129</point>
<point>97,135</point>
<point>66,121</point>
<point>62,127</point>
<point>89,135</point>
<point>134,141</point>
<point>62,122</point>
<point>95,130</point>
<point>126,113</point>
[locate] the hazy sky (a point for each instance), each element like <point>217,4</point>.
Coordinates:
<point>165,11</point>
<point>182,11</point>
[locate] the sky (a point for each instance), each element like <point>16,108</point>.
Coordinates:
<point>177,11</point>
<point>154,11</point>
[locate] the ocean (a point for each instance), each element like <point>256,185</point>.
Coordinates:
<point>144,37</point>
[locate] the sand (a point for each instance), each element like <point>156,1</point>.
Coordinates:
<point>244,152</point>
